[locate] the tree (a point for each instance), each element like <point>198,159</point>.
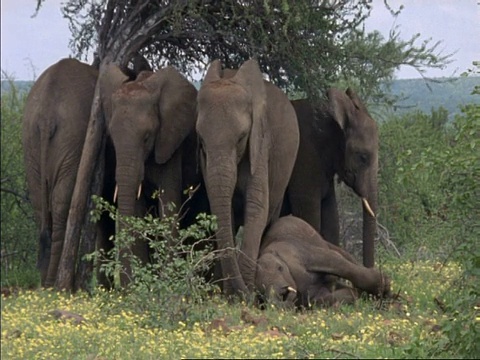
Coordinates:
<point>303,45</point>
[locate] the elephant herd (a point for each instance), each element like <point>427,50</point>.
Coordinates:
<point>258,156</point>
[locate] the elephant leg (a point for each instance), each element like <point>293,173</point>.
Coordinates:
<point>38,201</point>
<point>342,252</point>
<point>44,254</point>
<point>331,262</point>
<point>59,221</point>
<point>256,218</point>
<point>304,199</point>
<point>330,229</point>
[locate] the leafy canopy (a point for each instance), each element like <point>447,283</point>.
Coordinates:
<point>303,45</point>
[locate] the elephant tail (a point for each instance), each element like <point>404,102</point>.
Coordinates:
<point>45,242</point>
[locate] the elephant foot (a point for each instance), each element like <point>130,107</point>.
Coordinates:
<point>234,288</point>
<point>381,288</point>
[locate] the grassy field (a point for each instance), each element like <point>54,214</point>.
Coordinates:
<point>44,324</point>
<point>428,195</point>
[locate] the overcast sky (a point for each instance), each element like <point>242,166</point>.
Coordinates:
<point>29,45</point>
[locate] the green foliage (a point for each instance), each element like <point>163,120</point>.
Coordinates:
<point>423,95</point>
<point>114,326</point>
<point>181,260</point>
<point>430,178</point>
<point>304,46</point>
<point>18,233</point>
<point>461,186</point>
<point>409,203</point>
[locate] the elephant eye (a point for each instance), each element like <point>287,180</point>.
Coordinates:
<point>363,158</point>
<point>202,147</point>
<point>280,268</point>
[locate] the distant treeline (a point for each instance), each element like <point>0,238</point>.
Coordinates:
<point>20,85</point>
<point>413,94</point>
<point>450,93</point>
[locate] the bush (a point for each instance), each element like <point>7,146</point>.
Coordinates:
<point>181,261</point>
<point>430,186</point>
<point>460,184</point>
<point>18,233</point>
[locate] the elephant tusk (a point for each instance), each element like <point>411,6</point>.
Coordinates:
<point>139,191</point>
<point>291,289</point>
<point>115,194</point>
<point>367,207</point>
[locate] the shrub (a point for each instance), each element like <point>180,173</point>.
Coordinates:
<point>430,186</point>
<point>181,261</point>
<point>18,231</point>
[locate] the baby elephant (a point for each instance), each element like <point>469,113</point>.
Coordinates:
<point>297,266</point>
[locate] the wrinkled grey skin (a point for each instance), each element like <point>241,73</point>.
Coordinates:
<point>248,133</point>
<point>55,121</point>
<point>148,121</point>
<point>337,138</point>
<point>298,267</point>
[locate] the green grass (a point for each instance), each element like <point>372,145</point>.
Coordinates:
<point>111,328</point>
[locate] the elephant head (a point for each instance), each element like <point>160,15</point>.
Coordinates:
<point>249,139</point>
<point>274,279</point>
<point>359,167</point>
<point>147,121</point>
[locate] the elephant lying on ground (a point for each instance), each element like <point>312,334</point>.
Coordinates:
<point>336,138</point>
<point>297,266</point>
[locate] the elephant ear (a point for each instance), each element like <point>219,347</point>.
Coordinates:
<point>110,79</point>
<point>143,75</point>
<point>214,72</point>
<point>251,78</point>
<point>356,100</point>
<point>340,107</point>
<point>176,108</point>
<point>229,73</point>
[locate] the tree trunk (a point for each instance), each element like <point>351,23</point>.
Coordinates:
<point>82,192</point>
<point>89,235</point>
<point>119,44</point>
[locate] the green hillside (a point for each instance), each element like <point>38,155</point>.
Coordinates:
<point>414,94</point>
<point>450,93</point>
<point>20,86</point>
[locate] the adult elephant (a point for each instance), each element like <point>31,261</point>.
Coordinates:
<point>297,266</point>
<point>55,121</point>
<point>248,137</point>
<point>148,120</point>
<point>339,137</point>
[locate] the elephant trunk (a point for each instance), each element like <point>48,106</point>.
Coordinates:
<point>220,183</point>
<point>370,207</point>
<point>127,189</point>
<point>128,177</point>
